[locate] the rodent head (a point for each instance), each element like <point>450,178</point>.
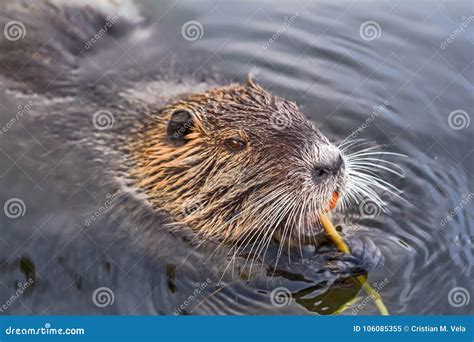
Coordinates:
<point>239,163</point>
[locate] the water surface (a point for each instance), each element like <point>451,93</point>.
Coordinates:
<point>381,71</point>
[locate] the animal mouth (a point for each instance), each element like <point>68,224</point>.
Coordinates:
<point>293,234</point>
<point>333,201</point>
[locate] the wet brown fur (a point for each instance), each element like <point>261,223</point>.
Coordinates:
<point>239,195</point>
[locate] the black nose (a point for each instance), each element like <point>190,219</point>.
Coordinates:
<point>340,163</point>
<point>320,173</point>
<point>323,171</point>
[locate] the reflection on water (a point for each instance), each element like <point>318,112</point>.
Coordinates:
<point>331,300</point>
<point>378,71</point>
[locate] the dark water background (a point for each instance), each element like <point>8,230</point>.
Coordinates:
<point>315,54</point>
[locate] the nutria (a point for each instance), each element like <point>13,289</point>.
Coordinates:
<point>219,163</point>
<point>231,162</point>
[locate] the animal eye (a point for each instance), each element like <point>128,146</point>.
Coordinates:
<point>234,144</point>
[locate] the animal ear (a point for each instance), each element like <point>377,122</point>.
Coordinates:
<point>181,124</point>
<point>251,83</point>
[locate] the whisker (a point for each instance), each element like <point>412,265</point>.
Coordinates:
<point>346,144</point>
<point>376,181</point>
<point>371,159</point>
<point>370,166</point>
<point>350,156</point>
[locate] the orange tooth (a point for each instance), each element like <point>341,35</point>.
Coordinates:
<point>333,201</point>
